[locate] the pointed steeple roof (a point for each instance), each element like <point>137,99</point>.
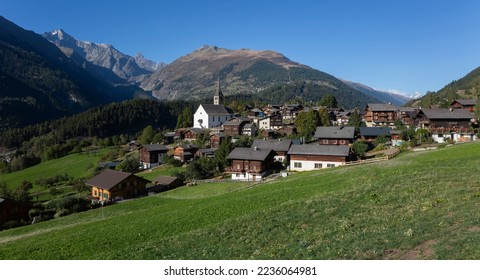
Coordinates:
<point>219,89</point>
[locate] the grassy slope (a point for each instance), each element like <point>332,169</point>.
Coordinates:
<point>75,165</point>
<point>414,206</point>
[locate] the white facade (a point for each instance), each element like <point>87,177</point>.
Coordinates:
<point>304,165</point>
<point>201,119</point>
<point>246,177</point>
<point>456,137</point>
<point>264,123</point>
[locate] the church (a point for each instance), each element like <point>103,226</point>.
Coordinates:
<point>212,115</point>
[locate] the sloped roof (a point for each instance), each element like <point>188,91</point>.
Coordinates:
<point>165,180</point>
<point>249,154</point>
<point>375,131</point>
<point>381,107</point>
<point>320,150</point>
<point>217,110</point>
<point>155,147</point>
<point>466,102</point>
<point>335,132</point>
<point>274,144</point>
<point>109,179</point>
<point>447,114</point>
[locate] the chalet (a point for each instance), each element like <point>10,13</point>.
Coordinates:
<point>290,111</point>
<point>169,137</point>
<point>468,104</point>
<point>216,139</point>
<point>192,134</point>
<point>212,115</point>
<point>396,137</point>
<point>408,115</point>
<point>447,124</point>
<point>311,157</point>
<point>185,153</point>
<point>208,152</point>
<point>264,123</point>
<point>114,185</point>
<point>164,183</point>
<point>380,114</point>
<point>280,147</point>
<point>287,130</point>
<point>256,113</point>
<point>11,210</point>
<point>341,118</point>
<point>268,133</point>
<point>249,129</point>
<point>152,155</point>
<point>370,134</point>
<point>250,164</point>
<point>335,135</point>
<point>234,127</point>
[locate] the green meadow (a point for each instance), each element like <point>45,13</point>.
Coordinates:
<point>416,206</point>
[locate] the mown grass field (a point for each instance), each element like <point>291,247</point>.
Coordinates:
<point>416,206</point>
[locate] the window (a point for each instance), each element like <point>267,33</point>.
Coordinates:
<point>325,141</point>
<point>105,195</point>
<point>297,164</point>
<point>330,165</point>
<point>95,193</point>
<point>318,165</point>
<point>238,166</point>
<point>342,142</point>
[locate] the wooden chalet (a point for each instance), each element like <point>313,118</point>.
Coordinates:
<point>279,146</point>
<point>192,134</point>
<point>370,134</point>
<point>11,210</point>
<point>216,139</point>
<point>164,183</point>
<point>468,104</point>
<point>185,153</point>
<point>335,135</point>
<point>448,124</point>
<point>152,155</point>
<point>287,130</point>
<point>116,185</point>
<point>314,156</point>
<point>408,116</point>
<point>249,129</point>
<point>250,164</point>
<point>380,114</point>
<point>234,127</point>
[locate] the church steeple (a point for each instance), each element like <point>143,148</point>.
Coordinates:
<point>218,97</point>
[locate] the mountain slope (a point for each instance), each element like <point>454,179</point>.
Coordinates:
<point>467,87</point>
<point>383,96</point>
<point>240,71</point>
<point>105,56</point>
<point>38,82</point>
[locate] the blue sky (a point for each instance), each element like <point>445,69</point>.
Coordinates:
<point>409,46</point>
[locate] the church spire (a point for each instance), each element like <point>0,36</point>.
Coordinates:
<point>218,97</point>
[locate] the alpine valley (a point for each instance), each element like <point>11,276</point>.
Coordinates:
<point>56,75</point>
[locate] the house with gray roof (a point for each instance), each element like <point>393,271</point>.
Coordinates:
<point>279,146</point>
<point>370,134</point>
<point>250,164</point>
<point>314,156</point>
<point>113,185</point>
<point>468,104</point>
<point>335,135</point>
<point>448,124</point>
<point>152,155</point>
<point>380,114</point>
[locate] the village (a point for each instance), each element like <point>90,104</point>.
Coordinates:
<point>271,145</point>
<point>273,150</point>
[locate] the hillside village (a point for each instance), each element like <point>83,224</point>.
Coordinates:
<point>273,144</point>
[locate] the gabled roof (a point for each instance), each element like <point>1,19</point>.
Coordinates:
<point>335,132</point>
<point>217,110</point>
<point>320,150</point>
<point>155,147</point>
<point>250,154</point>
<point>274,144</point>
<point>197,130</point>
<point>466,102</point>
<point>375,131</point>
<point>165,180</point>
<point>109,179</point>
<point>381,107</point>
<point>447,114</point>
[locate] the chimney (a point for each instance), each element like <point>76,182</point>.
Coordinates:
<point>255,148</point>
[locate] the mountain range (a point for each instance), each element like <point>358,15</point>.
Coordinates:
<point>54,74</point>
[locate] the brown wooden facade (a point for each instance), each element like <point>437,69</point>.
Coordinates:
<point>132,186</point>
